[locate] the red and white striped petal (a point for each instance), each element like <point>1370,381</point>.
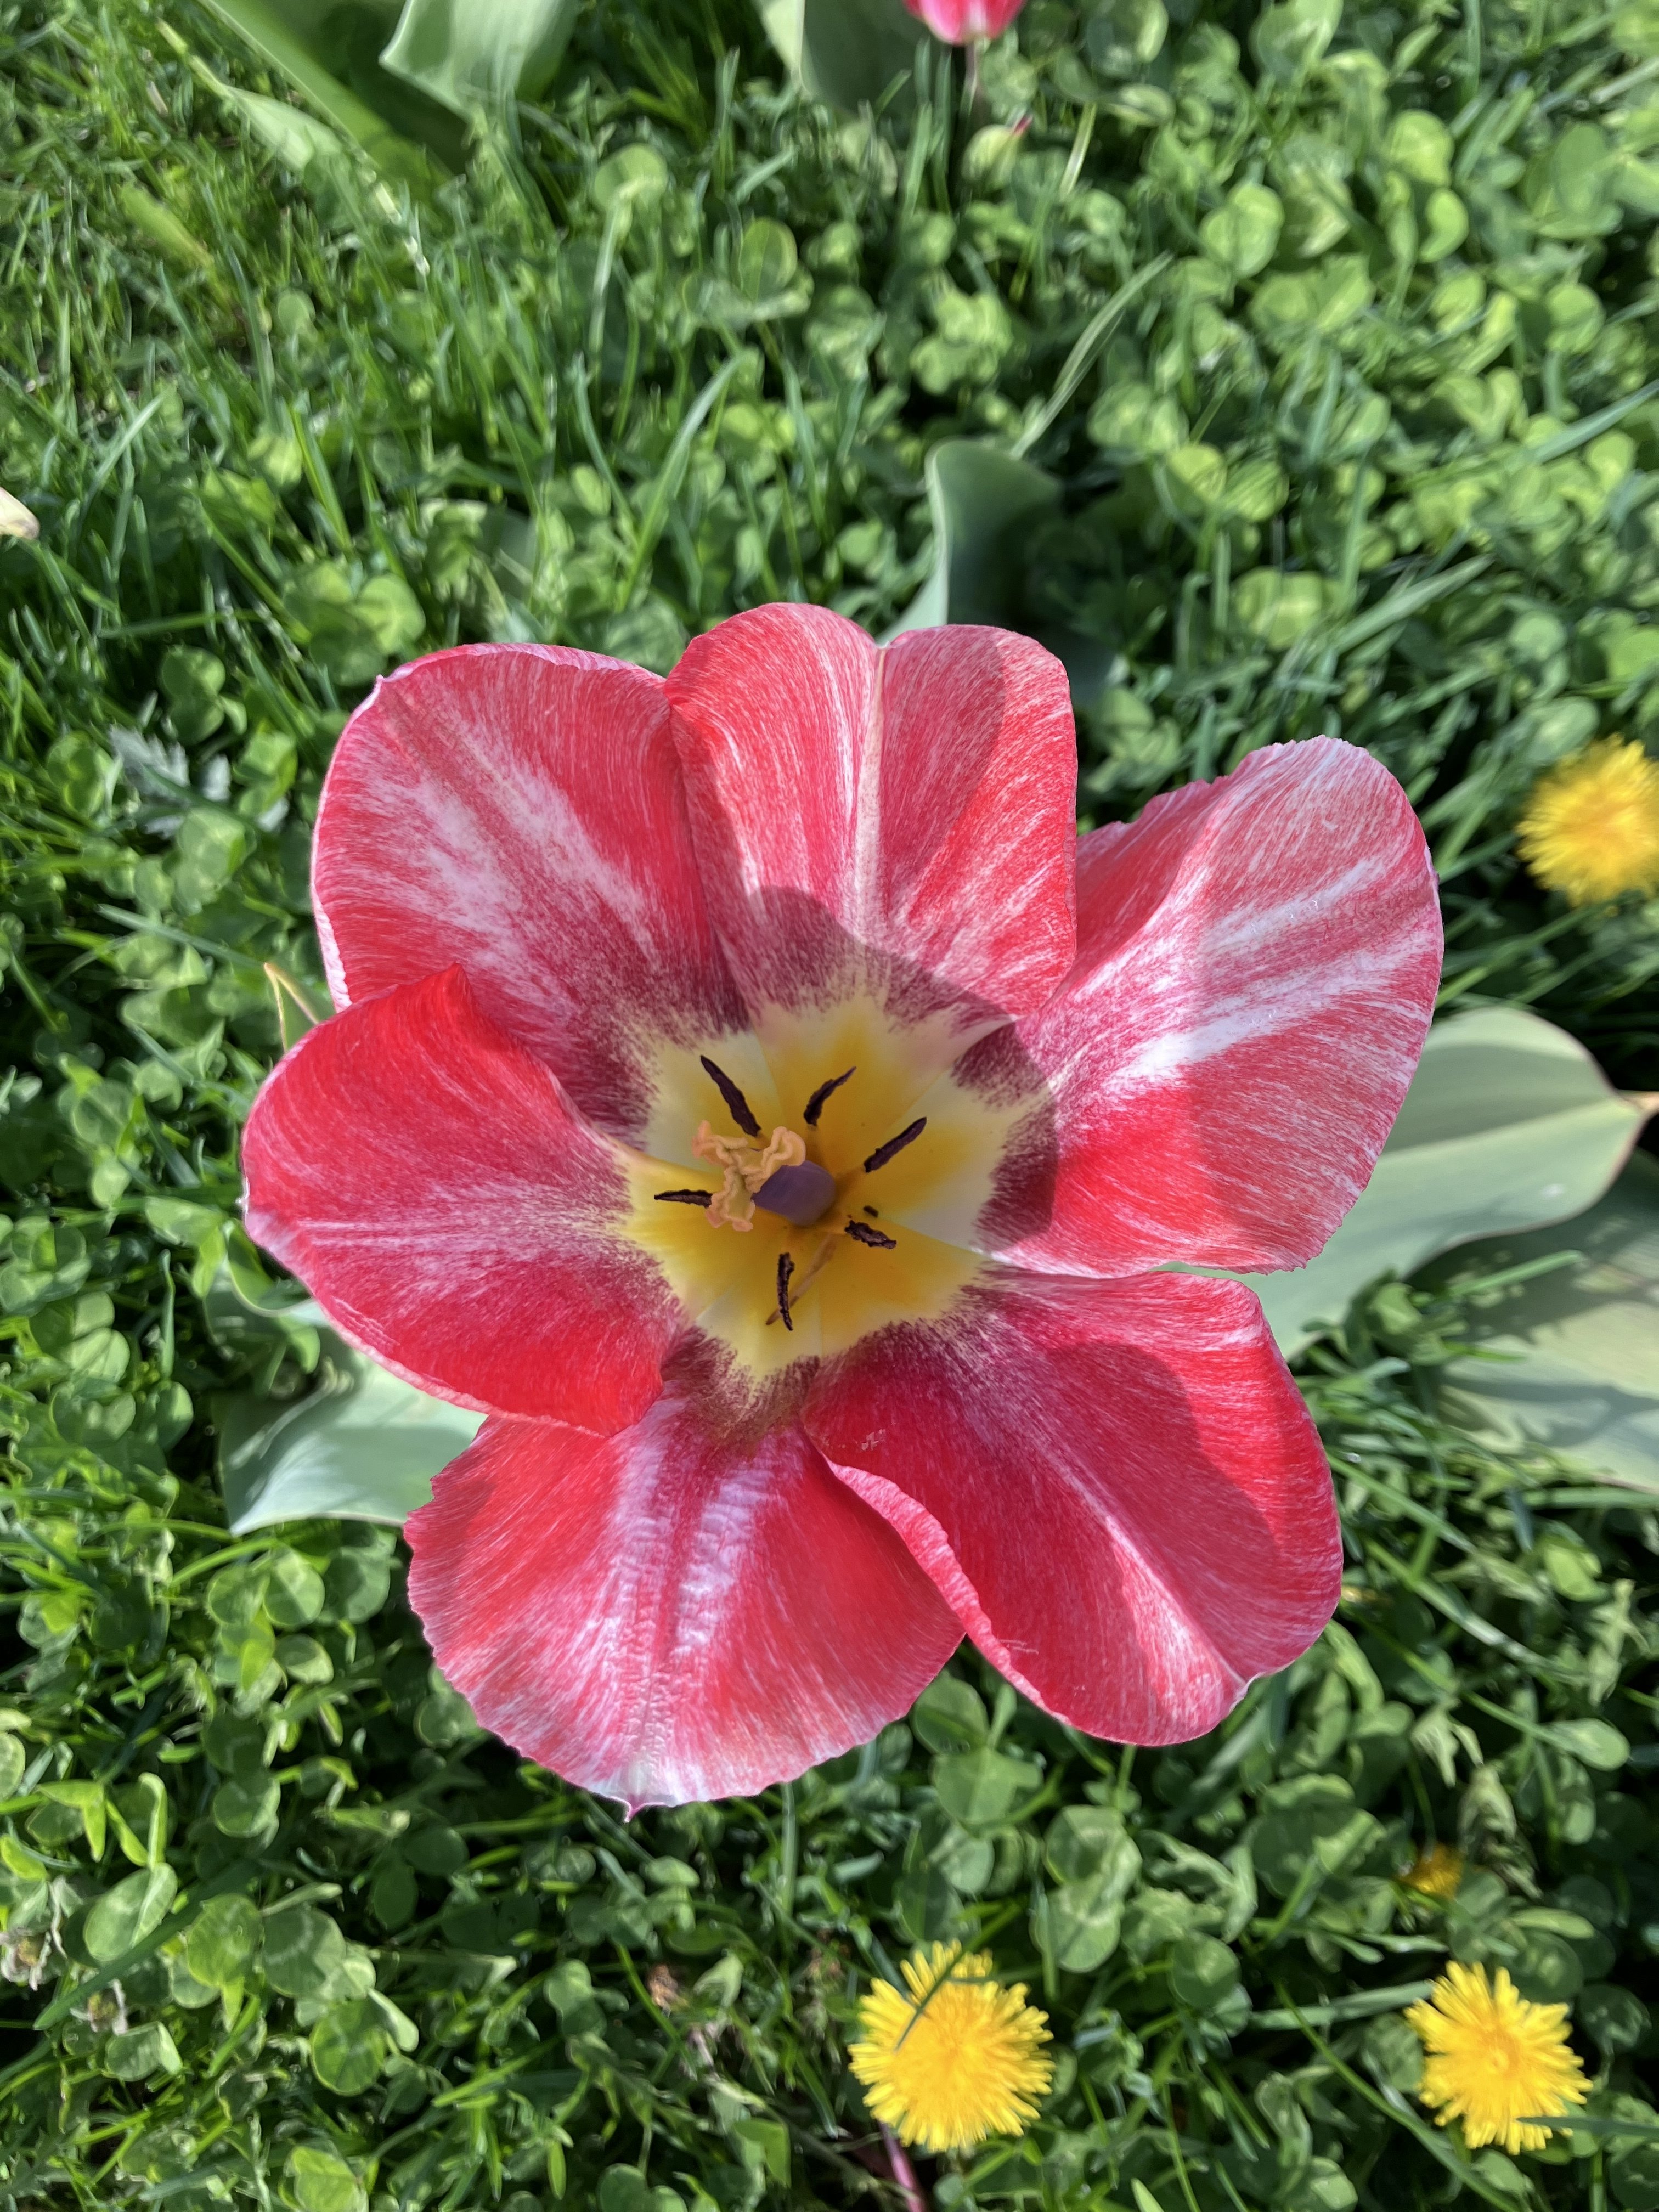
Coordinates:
<point>1115,1484</point>
<point>677,1613</point>
<point>519,809</point>
<point>902,818</point>
<point>429,1180</point>
<point>1257,962</point>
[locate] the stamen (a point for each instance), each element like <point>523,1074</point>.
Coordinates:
<point>687,1197</point>
<point>816,1267</point>
<point>862,1233</point>
<point>786,1268</point>
<point>815,1104</point>
<point>735,1104</point>
<point>883,1153</point>
<point>745,1171</point>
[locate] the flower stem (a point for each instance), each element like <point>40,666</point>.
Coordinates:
<point>904,2173</point>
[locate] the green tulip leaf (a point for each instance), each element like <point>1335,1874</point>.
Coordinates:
<point>986,503</point>
<point>330,54</point>
<point>1508,1124</point>
<point>480,59</point>
<point>1570,1357</point>
<point>364,1446</point>
<point>847,52</point>
<point>983,502</point>
<point>316,153</point>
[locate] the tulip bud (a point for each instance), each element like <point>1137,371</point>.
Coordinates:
<point>959,22</point>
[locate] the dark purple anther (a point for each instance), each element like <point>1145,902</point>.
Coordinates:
<point>801,1194</point>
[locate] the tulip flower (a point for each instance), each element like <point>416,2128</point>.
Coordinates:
<point>960,22</point>
<point>751,1094</point>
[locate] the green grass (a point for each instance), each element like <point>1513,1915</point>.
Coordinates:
<point>277,438</point>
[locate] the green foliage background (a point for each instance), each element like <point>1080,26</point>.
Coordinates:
<point>1339,329</point>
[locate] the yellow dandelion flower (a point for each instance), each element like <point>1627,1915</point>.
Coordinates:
<point>955,2061</point>
<point>1437,1871</point>
<point>1495,2058</point>
<point>1591,826</point>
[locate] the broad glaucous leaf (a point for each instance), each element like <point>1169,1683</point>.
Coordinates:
<point>363,1447</point>
<point>317,154</point>
<point>328,52</point>
<point>1508,1123</point>
<point>981,501</point>
<point>846,51</point>
<point>1569,1360</point>
<point>479,58</point>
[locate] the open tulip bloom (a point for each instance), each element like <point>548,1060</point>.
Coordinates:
<point>751,1094</point>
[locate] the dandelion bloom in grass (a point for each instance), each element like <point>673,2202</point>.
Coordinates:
<point>956,2058</point>
<point>959,22</point>
<point>1495,2059</point>
<point>1437,1871</point>
<point>1591,826</point>
<point>751,1094</point>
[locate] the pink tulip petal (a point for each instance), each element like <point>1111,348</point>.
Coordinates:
<point>1257,961</point>
<point>675,1612</point>
<point>1115,1484</point>
<point>903,816</point>
<point>430,1181</point>
<point>519,809</point>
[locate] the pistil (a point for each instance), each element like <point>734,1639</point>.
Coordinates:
<point>802,1193</point>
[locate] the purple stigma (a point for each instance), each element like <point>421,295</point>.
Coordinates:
<point>802,1195</point>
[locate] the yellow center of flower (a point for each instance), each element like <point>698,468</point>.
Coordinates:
<point>957,2058</point>
<point>1495,2059</point>
<point>847,1158</point>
